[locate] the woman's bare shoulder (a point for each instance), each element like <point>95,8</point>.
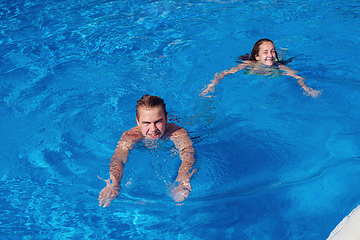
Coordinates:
<point>247,63</point>
<point>282,66</point>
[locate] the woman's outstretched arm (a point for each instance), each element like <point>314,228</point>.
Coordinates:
<point>301,81</point>
<point>210,87</point>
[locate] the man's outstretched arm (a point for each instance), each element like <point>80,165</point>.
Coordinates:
<point>117,165</point>
<point>187,155</point>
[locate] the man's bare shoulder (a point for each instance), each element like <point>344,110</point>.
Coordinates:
<point>174,131</point>
<point>180,137</point>
<point>172,128</point>
<point>129,138</point>
<point>132,135</point>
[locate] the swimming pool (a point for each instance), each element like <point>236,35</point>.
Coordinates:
<point>272,162</point>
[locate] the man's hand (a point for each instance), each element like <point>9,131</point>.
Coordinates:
<point>107,194</point>
<point>183,189</point>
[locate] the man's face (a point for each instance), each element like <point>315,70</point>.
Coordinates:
<point>152,121</point>
<point>266,53</point>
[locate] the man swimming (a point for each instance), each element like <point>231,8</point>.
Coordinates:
<point>151,119</point>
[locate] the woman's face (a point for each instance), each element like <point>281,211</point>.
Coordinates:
<point>266,53</point>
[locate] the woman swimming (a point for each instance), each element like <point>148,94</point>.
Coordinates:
<point>263,60</point>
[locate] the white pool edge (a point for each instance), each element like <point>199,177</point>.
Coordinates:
<point>348,228</point>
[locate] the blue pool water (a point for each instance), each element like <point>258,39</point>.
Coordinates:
<point>272,162</point>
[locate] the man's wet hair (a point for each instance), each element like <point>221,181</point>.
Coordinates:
<point>149,101</point>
